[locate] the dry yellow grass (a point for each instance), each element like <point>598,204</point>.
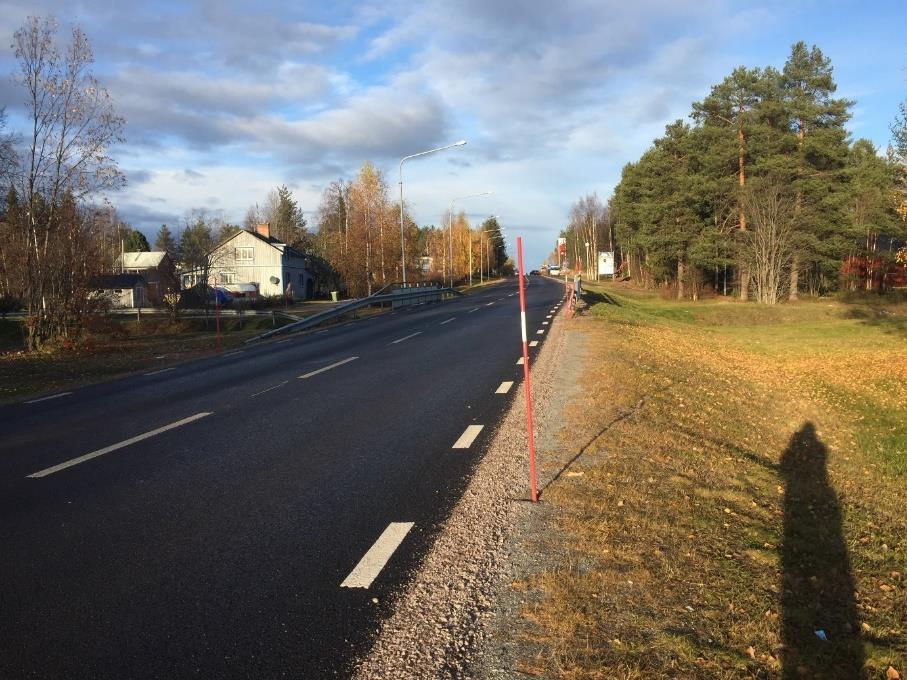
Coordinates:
<point>752,494</point>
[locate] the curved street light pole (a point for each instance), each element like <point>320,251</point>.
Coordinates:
<point>402,238</point>
<point>450,233</point>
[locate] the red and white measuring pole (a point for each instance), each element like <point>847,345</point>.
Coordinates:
<point>216,311</point>
<point>527,385</point>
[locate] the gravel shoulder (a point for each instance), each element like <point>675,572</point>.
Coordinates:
<point>455,618</point>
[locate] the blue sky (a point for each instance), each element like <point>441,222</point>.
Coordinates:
<point>226,99</point>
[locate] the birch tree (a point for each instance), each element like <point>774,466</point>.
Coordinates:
<point>71,126</point>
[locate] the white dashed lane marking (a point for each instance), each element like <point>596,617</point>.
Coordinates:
<point>448,321</point>
<point>406,337</point>
<point>534,343</point>
<point>161,370</point>
<point>53,396</point>
<point>474,309</point>
<point>327,368</point>
<point>540,331</point>
<point>505,387</point>
<point>468,437</point>
<point>519,362</point>
<point>120,445</point>
<point>373,561</point>
<point>270,388</point>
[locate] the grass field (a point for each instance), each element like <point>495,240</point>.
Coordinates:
<point>740,510</point>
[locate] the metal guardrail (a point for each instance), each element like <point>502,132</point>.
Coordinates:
<point>408,296</point>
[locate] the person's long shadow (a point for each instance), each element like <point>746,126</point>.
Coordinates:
<point>817,587</point>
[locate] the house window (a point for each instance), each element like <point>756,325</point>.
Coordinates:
<point>228,278</point>
<point>244,254</point>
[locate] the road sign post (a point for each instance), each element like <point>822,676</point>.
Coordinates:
<point>527,385</point>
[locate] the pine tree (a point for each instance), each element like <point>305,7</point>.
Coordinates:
<point>287,221</point>
<point>870,210</point>
<point>164,242</point>
<point>134,241</point>
<point>818,121</point>
<point>732,107</point>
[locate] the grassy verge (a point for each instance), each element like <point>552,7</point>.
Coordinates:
<point>739,511</point>
<point>113,348</point>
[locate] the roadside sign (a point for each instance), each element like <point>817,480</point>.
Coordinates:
<point>605,263</point>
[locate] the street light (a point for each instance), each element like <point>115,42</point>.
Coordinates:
<point>492,217</point>
<point>450,230</point>
<point>406,158</point>
<point>481,243</point>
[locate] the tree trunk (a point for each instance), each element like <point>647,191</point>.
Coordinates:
<point>744,281</point>
<point>794,277</point>
<point>680,275</point>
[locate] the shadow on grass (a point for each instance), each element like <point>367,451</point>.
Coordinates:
<point>883,319</point>
<point>594,297</point>
<point>817,589</point>
<point>585,447</point>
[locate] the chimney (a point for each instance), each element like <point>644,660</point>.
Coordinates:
<point>263,229</point>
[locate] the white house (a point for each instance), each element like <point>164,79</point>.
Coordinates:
<point>259,259</point>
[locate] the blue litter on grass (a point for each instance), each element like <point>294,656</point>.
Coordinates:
<point>821,635</point>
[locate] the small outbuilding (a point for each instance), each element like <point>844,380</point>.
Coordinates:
<point>127,291</point>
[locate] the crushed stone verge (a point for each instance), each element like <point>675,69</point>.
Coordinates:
<point>449,622</point>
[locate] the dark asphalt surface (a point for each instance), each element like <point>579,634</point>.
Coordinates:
<point>216,549</point>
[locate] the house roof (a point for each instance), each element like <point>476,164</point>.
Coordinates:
<point>111,281</point>
<point>139,260</point>
<point>270,240</point>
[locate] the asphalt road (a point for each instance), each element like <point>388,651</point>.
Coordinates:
<point>213,520</point>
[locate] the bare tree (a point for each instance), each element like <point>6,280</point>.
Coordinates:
<point>71,126</point>
<point>768,244</point>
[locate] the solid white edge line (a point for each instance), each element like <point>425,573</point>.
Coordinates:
<point>468,437</point>
<point>371,564</point>
<point>53,396</point>
<point>327,368</point>
<point>505,387</point>
<point>448,321</point>
<point>120,445</point>
<point>411,335</point>
<point>269,389</point>
<point>162,370</point>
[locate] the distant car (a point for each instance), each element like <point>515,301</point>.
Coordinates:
<point>554,271</point>
<point>535,272</point>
